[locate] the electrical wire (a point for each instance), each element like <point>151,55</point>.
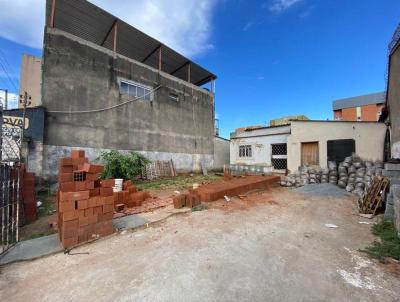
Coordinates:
<point>106,108</point>
<point>8,76</point>
<point>4,65</point>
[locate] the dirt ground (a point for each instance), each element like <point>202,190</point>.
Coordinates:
<point>265,246</point>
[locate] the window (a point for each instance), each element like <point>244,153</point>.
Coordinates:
<point>135,90</point>
<point>245,151</point>
<point>173,97</point>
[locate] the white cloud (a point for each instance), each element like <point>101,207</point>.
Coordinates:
<point>278,6</point>
<point>12,100</point>
<point>184,25</point>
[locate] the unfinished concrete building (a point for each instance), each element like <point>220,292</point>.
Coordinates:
<point>106,85</point>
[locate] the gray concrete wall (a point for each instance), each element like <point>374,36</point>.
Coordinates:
<point>393,99</point>
<point>79,75</point>
<point>221,153</point>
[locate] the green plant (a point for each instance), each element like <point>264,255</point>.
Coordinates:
<point>118,165</point>
<point>389,244</point>
<point>200,207</point>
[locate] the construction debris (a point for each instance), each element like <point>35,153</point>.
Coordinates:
<point>370,202</point>
<point>353,174</point>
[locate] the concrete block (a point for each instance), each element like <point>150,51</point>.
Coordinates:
<point>397,214</point>
<point>391,173</point>
<point>392,167</point>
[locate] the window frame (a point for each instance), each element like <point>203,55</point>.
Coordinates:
<point>147,90</point>
<point>245,151</point>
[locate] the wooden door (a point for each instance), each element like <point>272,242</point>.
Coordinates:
<point>309,154</point>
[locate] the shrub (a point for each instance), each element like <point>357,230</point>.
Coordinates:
<point>118,165</point>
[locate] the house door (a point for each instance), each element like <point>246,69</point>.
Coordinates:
<point>309,154</point>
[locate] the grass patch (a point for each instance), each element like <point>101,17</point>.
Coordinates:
<point>180,182</point>
<point>48,204</point>
<point>389,244</point>
<point>200,207</point>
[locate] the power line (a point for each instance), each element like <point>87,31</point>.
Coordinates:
<point>106,108</point>
<point>8,76</point>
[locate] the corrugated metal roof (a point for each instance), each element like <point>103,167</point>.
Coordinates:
<point>362,100</point>
<point>87,21</point>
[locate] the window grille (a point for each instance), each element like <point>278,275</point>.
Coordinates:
<point>279,156</point>
<point>135,90</point>
<point>245,151</point>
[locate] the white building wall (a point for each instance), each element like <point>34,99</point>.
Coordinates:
<point>261,141</point>
<point>369,138</point>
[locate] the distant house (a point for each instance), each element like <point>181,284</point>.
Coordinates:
<point>366,108</point>
<point>314,143</point>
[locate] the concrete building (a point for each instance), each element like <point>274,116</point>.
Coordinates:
<point>366,108</point>
<point>106,85</point>
<point>30,79</point>
<point>307,142</point>
<point>393,94</point>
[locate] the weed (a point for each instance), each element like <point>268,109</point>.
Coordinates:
<point>389,244</point>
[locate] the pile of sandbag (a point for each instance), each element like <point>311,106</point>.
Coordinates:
<point>353,174</point>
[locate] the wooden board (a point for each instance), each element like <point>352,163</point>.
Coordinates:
<point>309,154</point>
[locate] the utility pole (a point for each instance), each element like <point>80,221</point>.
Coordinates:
<point>25,100</point>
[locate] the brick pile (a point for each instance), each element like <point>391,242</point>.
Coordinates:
<point>217,190</point>
<point>85,204</point>
<point>29,195</point>
<point>190,199</point>
<point>129,196</point>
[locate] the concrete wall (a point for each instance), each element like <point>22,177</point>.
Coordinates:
<point>30,79</point>
<point>260,140</point>
<point>79,75</point>
<point>393,100</point>
<point>369,138</point>
<point>221,153</point>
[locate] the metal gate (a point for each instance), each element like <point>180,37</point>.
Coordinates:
<point>10,183</point>
<point>10,195</point>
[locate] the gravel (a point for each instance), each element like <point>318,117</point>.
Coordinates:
<point>323,189</point>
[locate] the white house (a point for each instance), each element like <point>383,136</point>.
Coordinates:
<point>306,142</point>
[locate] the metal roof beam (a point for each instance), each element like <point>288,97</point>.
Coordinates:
<point>109,31</point>
<point>180,67</point>
<point>151,53</point>
<point>205,80</point>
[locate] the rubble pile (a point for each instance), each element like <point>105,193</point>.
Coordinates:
<point>353,174</point>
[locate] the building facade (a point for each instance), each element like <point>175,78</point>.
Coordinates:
<point>314,143</point>
<point>366,108</point>
<point>106,85</point>
<point>30,79</point>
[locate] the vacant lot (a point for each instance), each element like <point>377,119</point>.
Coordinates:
<point>267,246</point>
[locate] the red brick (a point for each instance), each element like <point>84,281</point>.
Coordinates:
<point>88,212</point>
<point>132,189</point>
<point>108,200</point>
<point>65,169</point>
<point>107,191</point>
<point>66,206</point>
<point>70,215</point>
<point>83,204</point>
<point>70,242</point>
<point>93,219</point>
<point>91,168</point>
<point>66,161</point>
<point>107,208</point>
<point>67,186</point>
<point>179,201</point>
<point>98,210</point>
<point>72,224</point>
<point>65,177</point>
<point>94,192</point>
<point>77,153</point>
<point>71,196</point>
<point>68,232</point>
<point>92,202</point>
<point>127,184</point>
<point>78,161</point>
<point>83,238</point>
<point>108,183</point>
<point>83,221</point>
<point>106,216</point>
<point>92,177</point>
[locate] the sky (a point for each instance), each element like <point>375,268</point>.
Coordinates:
<point>272,57</point>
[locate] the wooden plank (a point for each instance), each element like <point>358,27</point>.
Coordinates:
<point>309,153</point>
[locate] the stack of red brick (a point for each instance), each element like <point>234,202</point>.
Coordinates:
<point>128,197</point>
<point>85,206</point>
<point>28,195</point>
<point>190,199</point>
